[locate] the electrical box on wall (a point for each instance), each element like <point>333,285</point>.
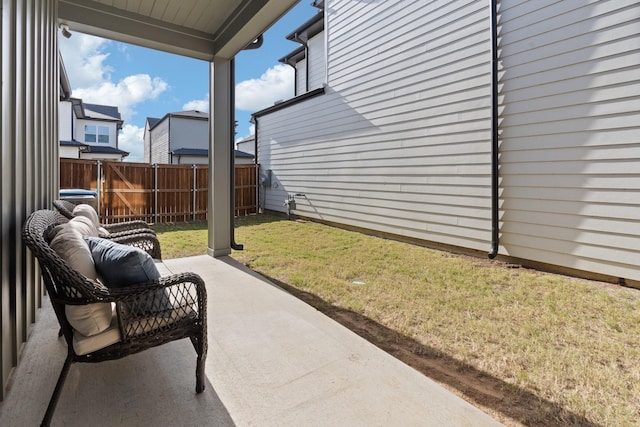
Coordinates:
<point>266,178</point>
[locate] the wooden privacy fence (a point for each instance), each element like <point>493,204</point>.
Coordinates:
<point>154,193</point>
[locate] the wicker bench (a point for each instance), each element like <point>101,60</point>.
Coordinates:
<point>135,326</point>
<point>66,208</point>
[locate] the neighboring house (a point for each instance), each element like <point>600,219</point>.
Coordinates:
<point>181,138</point>
<point>247,145</point>
<point>308,60</point>
<point>89,131</point>
<point>412,137</point>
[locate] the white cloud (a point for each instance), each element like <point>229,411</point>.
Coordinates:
<point>84,58</point>
<point>131,139</point>
<point>124,94</point>
<point>252,131</point>
<point>198,104</point>
<point>275,84</point>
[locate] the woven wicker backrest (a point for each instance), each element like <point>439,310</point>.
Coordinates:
<point>65,207</point>
<point>64,284</point>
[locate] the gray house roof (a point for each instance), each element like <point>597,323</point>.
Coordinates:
<point>106,150</point>
<point>244,154</point>
<point>309,29</point>
<point>192,114</point>
<point>204,152</point>
<point>152,121</point>
<point>106,110</point>
<point>73,143</point>
<point>292,58</point>
<point>191,152</point>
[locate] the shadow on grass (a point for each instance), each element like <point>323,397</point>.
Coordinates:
<point>506,402</point>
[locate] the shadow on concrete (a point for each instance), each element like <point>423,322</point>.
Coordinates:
<point>506,402</point>
<point>153,388</point>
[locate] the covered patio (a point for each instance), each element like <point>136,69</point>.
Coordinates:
<point>32,84</point>
<point>273,361</point>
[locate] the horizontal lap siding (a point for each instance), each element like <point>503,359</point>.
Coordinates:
<point>160,143</point>
<point>570,149</point>
<point>316,61</point>
<point>400,141</point>
<point>301,77</point>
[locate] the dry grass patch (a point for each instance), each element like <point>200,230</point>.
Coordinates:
<point>531,348</point>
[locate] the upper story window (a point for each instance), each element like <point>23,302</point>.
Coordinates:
<point>96,134</point>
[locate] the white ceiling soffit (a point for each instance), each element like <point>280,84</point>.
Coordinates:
<point>196,28</point>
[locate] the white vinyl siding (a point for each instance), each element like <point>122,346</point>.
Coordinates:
<point>69,152</point>
<point>190,160</point>
<point>570,150</point>
<point>147,144</point>
<point>189,133</point>
<point>301,77</point>
<point>65,114</point>
<point>316,61</point>
<point>160,141</point>
<point>400,142</point>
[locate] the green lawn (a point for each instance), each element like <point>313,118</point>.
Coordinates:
<point>529,347</point>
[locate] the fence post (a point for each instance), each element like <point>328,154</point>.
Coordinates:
<point>155,193</point>
<point>257,176</point>
<point>194,192</point>
<point>98,185</point>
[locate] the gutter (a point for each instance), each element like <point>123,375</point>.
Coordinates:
<point>256,44</point>
<point>65,85</point>
<point>495,172</point>
<point>232,125</point>
<point>255,161</point>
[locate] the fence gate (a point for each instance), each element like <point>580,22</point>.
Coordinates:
<point>126,192</point>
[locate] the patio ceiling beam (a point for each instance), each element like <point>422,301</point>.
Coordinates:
<point>243,24</point>
<point>112,23</point>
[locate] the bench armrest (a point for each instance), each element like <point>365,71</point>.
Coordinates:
<point>148,242</point>
<point>164,304</point>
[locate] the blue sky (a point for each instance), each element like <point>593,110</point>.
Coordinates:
<point>148,83</point>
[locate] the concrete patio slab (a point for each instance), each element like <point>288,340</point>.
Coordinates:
<point>273,361</point>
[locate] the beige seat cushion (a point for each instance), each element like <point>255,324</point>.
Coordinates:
<point>86,344</point>
<point>89,319</point>
<point>87,211</point>
<point>83,344</point>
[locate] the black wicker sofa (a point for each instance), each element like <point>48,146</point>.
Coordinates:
<point>140,315</point>
<point>69,210</point>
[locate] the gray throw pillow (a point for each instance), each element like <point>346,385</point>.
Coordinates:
<point>120,265</point>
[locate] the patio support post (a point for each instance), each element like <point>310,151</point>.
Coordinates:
<point>219,180</point>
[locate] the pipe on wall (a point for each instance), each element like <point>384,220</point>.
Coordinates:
<point>255,160</point>
<point>257,43</point>
<point>495,195</point>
